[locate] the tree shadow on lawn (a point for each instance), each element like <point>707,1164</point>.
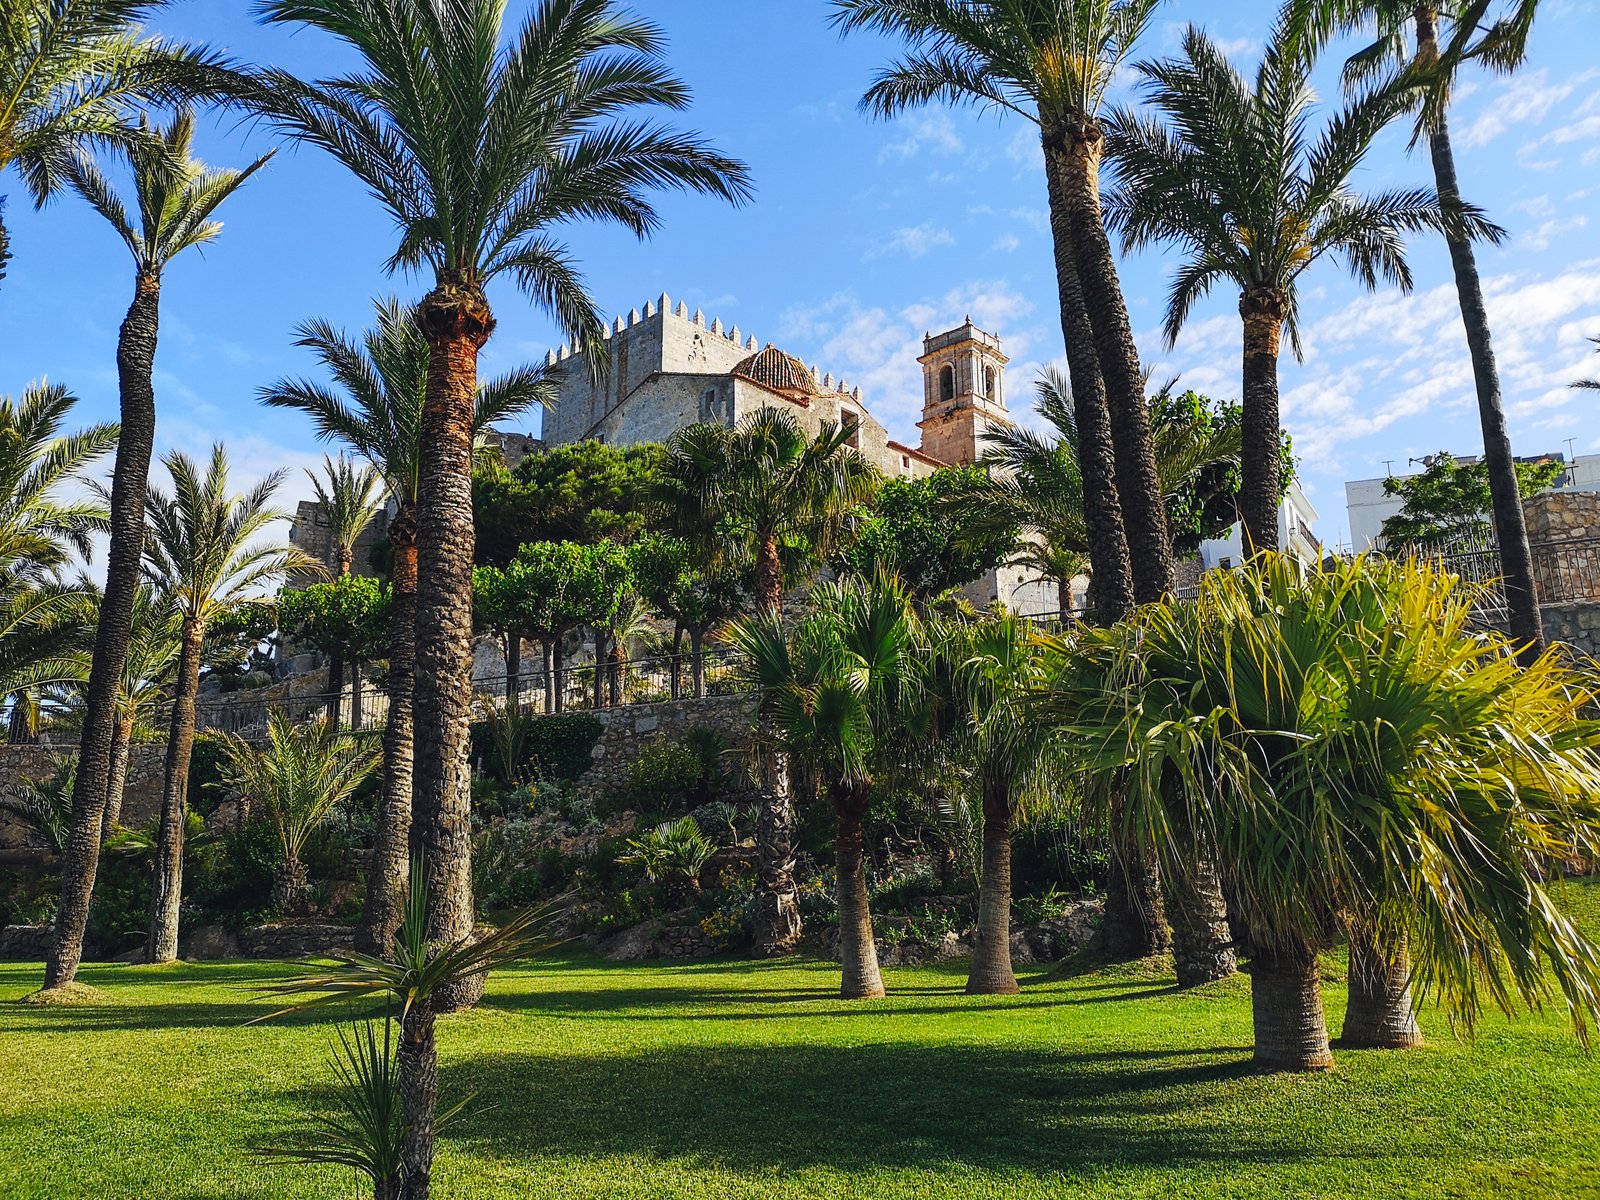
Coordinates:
<point>858,1107</point>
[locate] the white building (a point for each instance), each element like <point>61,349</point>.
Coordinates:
<point>1369,506</point>
<point>1295,536</point>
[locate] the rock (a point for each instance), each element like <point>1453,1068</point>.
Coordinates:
<point>1021,951</point>
<point>211,942</point>
<point>951,946</point>
<point>632,944</point>
<point>136,955</point>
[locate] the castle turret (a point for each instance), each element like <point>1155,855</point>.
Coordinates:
<point>963,392</point>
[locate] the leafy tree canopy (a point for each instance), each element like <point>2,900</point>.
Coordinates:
<point>549,588</point>
<point>349,616</point>
<point>931,545</point>
<point>1447,504</point>
<point>581,492</point>
<point>677,582</point>
<point>1204,501</point>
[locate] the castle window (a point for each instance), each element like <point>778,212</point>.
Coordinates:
<point>947,383</point>
<point>852,427</point>
<point>708,404</point>
<point>990,383</point>
<point>905,462</point>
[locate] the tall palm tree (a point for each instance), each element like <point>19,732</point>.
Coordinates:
<point>349,498</point>
<point>202,554</point>
<point>299,776</point>
<point>840,693</point>
<point>1356,750</point>
<point>379,384</point>
<point>1445,37</point>
<point>479,147</point>
<point>72,73</point>
<point>40,527</point>
<point>1050,62</point>
<point>766,487</point>
<point>1227,168</point>
<point>174,203</point>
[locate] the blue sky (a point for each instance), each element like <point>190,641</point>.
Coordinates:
<point>862,236</point>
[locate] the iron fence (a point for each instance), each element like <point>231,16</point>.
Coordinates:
<point>1564,572</point>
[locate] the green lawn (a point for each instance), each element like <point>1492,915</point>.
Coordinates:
<point>729,1079</point>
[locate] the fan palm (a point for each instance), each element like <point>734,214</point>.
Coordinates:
<point>992,663</point>
<point>380,382</point>
<point>201,553</point>
<point>1050,62</point>
<point>174,203</point>
<point>72,72</point>
<point>754,492</point>
<point>1229,170</point>
<point>840,693</point>
<point>417,970</point>
<point>1445,37</point>
<point>479,148</point>
<point>299,775</point>
<point>1351,749</point>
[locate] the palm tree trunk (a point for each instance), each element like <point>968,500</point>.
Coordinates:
<point>419,1098</point>
<point>121,747</point>
<point>1135,922</point>
<point>289,886</point>
<point>457,321</point>
<point>1202,943</point>
<point>1379,1014</point>
<point>513,672</point>
<point>1261,435</point>
<point>858,949</point>
<point>1110,581</point>
<point>167,891</point>
<point>1505,494</point>
<point>991,973</point>
<point>1144,512</point>
<point>1286,1003</point>
<point>777,916</point>
<point>697,661</point>
<point>391,857</point>
<point>136,355</point>
<point>336,687</point>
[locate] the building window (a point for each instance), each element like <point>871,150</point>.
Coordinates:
<point>905,462</point>
<point>708,404</point>
<point>947,383</point>
<point>852,427</point>
<point>990,383</point>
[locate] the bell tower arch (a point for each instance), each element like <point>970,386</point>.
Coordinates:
<point>963,392</point>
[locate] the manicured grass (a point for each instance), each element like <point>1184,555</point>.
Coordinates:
<point>731,1079</point>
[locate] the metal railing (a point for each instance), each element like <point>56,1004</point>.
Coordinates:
<point>1564,572</point>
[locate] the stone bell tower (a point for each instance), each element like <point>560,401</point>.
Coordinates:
<point>963,392</point>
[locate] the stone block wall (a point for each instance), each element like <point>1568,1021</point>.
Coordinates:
<point>141,800</point>
<point>629,730</point>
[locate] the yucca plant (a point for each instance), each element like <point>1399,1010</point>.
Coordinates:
<point>418,971</point>
<point>300,775</point>
<point>1351,749</point>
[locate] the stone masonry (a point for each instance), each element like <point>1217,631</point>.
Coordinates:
<point>629,730</point>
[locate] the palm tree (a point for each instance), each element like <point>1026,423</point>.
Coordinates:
<point>44,807</point>
<point>1352,749</point>
<point>991,664</point>
<point>175,199</point>
<point>765,487</point>
<point>1446,36</point>
<point>201,554</point>
<point>349,501</point>
<point>1050,63</point>
<point>40,529</point>
<point>412,977</point>
<point>1592,385</point>
<point>299,775</point>
<point>380,382</point>
<point>153,643</point>
<point>72,72</point>
<point>841,693</point>
<point>478,149</point>
<point>1235,178</point>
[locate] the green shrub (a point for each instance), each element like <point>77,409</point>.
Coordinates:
<point>665,778</point>
<point>557,748</point>
<point>903,885</point>
<point>207,787</point>
<point>230,880</point>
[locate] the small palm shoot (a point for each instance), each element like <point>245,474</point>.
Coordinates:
<point>419,970</point>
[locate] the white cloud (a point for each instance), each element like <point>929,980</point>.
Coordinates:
<point>913,241</point>
<point>1007,244</point>
<point>932,130</point>
<point>1522,103</point>
<point>1546,233</point>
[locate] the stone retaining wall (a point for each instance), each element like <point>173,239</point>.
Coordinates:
<point>141,799</point>
<point>629,730</point>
